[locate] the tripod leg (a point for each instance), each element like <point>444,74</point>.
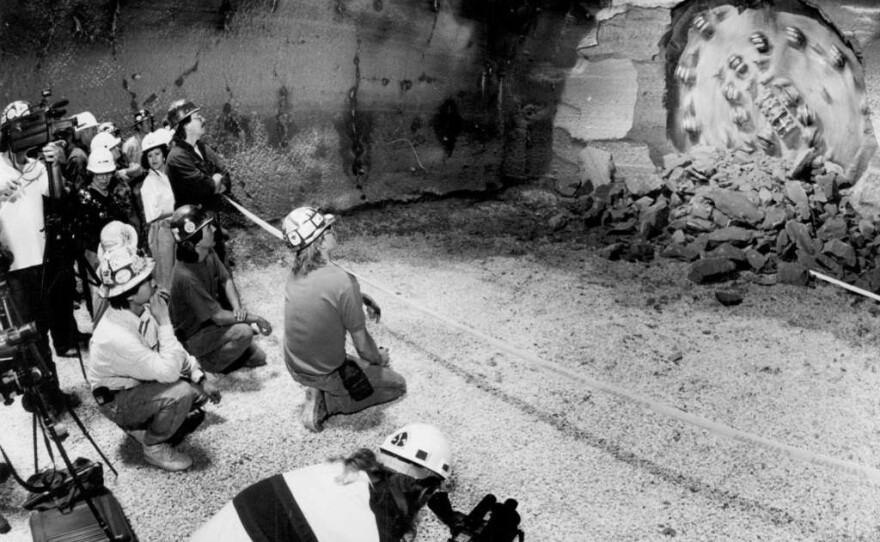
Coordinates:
<point>50,428</point>
<point>91,440</point>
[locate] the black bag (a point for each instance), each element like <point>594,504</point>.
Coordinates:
<point>354,380</point>
<point>79,524</point>
<point>57,489</point>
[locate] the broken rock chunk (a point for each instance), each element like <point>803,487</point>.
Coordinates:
<point>728,298</point>
<point>736,205</point>
<point>711,270</point>
<point>792,273</point>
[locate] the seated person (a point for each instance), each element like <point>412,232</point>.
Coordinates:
<point>361,498</point>
<point>142,378</point>
<point>206,310</point>
<point>321,304</point>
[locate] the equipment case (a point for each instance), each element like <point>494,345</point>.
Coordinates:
<point>79,524</point>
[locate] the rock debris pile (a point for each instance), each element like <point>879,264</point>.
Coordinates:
<point>734,213</point>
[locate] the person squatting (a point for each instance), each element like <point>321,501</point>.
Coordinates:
<point>143,246</point>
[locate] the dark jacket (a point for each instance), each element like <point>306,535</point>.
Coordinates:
<point>191,175</point>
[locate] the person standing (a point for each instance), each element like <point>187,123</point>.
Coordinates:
<point>104,199</point>
<point>142,378</point>
<point>196,172</point>
<point>24,183</point>
<point>157,198</point>
<point>208,315</point>
<point>323,303</point>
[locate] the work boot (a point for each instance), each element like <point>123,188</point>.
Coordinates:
<point>256,357</point>
<point>162,455</point>
<point>314,410</point>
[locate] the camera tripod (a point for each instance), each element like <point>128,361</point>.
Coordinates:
<point>22,370</point>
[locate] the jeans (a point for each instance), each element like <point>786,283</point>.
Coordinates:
<point>47,300</point>
<point>218,347</point>
<point>162,248</point>
<point>158,408</point>
<point>387,384</point>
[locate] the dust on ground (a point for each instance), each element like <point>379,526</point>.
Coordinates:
<point>795,365</point>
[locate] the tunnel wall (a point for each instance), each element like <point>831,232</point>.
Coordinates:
<point>350,102</point>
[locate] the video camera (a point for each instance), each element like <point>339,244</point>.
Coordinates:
<point>489,521</point>
<point>43,124</point>
<point>15,375</point>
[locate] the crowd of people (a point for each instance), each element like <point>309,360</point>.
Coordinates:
<point>143,248</point>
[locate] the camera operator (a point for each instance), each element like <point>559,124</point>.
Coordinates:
<point>24,182</point>
<point>321,304</point>
<point>141,376</point>
<point>195,170</point>
<point>361,498</point>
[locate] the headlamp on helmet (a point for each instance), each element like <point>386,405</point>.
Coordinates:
<point>187,220</point>
<point>304,225</point>
<point>121,269</point>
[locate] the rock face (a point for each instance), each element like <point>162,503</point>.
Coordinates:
<point>351,102</point>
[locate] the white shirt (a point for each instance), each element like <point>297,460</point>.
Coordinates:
<point>157,196</point>
<point>127,350</point>
<point>21,211</point>
<point>335,512</point>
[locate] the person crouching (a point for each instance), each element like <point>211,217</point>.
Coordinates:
<point>207,312</point>
<point>142,378</point>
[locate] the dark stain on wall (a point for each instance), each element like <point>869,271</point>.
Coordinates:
<point>405,85</point>
<point>284,126</point>
<point>133,104</point>
<point>355,131</point>
<point>447,125</point>
<point>424,78</point>
<point>182,78</point>
<point>225,14</point>
<point>233,123</point>
<point>377,5</point>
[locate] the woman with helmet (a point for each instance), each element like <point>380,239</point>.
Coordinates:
<point>104,199</point>
<point>360,498</point>
<point>323,303</point>
<point>157,199</point>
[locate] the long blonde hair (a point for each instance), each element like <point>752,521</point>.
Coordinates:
<point>309,259</point>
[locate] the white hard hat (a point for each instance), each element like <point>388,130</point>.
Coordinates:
<point>121,269</point>
<point>418,450</point>
<point>155,139</point>
<point>85,120</point>
<point>304,225</point>
<point>105,140</point>
<point>115,234</point>
<point>107,127</point>
<point>101,161</point>
<point>18,108</point>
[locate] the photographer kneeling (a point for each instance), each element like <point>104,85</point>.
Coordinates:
<point>361,498</point>
<point>141,376</point>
